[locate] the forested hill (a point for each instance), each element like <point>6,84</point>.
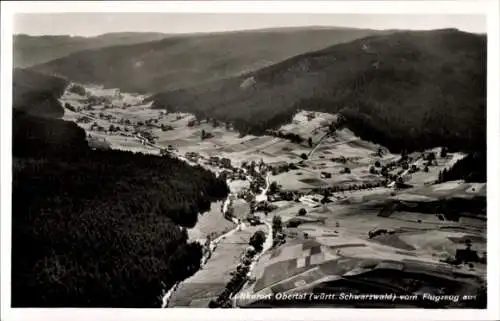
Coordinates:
<point>472,168</point>
<point>187,60</point>
<point>406,90</point>
<point>99,228</point>
<point>33,50</point>
<point>37,94</point>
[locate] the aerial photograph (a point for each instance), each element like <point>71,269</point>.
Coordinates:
<point>196,160</point>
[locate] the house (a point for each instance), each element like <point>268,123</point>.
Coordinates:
<point>326,175</point>
<point>308,200</point>
<point>274,198</point>
<point>165,152</point>
<point>214,159</point>
<point>84,119</point>
<point>253,220</point>
<point>225,163</point>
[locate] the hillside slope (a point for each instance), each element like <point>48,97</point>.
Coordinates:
<point>406,90</point>
<point>188,60</point>
<point>37,94</point>
<point>99,228</point>
<point>33,50</point>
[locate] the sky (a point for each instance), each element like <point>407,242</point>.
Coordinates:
<point>92,24</point>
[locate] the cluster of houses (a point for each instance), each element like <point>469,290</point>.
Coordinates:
<point>281,167</point>
<point>168,151</point>
<point>228,172</point>
<point>84,119</point>
<point>146,137</point>
<point>97,100</point>
<point>221,162</point>
<point>192,156</point>
<point>310,200</point>
<point>284,196</point>
<point>107,117</point>
<point>97,127</point>
<point>237,174</point>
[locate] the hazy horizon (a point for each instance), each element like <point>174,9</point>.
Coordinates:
<point>77,24</point>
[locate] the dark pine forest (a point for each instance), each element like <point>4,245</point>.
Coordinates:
<point>99,228</point>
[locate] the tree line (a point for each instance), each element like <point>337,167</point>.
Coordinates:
<point>471,168</point>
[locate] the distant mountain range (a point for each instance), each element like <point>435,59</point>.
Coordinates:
<point>33,50</point>
<point>181,61</point>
